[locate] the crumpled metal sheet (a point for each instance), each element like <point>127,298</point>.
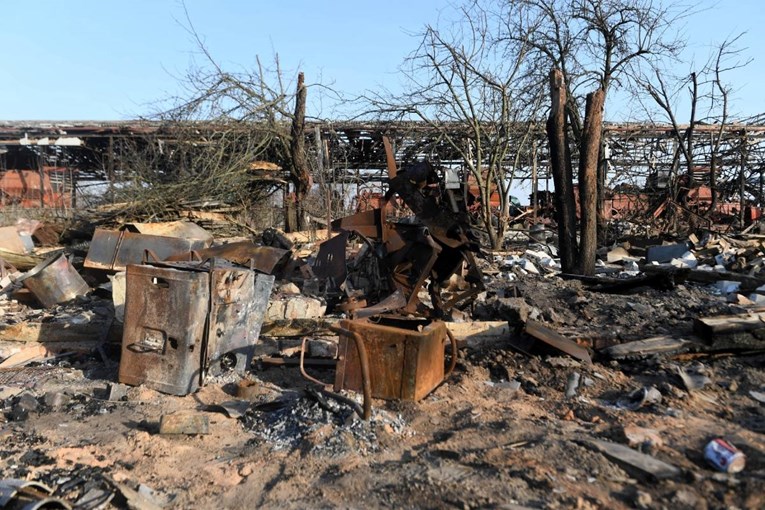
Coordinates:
<point>179,229</point>
<point>265,259</point>
<point>28,495</point>
<point>113,250</point>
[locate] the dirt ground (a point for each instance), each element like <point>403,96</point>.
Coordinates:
<point>477,441</point>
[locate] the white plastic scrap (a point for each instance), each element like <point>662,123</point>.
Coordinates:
<point>528,266</point>
<point>688,260</point>
<point>631,267</point>
<point>727,286</point>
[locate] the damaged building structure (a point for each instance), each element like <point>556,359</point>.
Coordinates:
<point>387,355</point>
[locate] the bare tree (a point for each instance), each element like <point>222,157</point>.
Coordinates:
<point>471,91</point>
<point>184,165</point>
<point>707,96</point>
<point>592,45</point>
<point>257,100</point>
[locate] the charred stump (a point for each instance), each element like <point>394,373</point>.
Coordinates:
<point>299,173</point>
<point>560,162</point>
<point>588,182</point>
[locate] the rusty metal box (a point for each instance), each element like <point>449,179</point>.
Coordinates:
<point>164,332</point>
<point>183,319</point>
<point>405,358</point>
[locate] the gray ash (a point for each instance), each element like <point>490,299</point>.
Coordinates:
<point>319,426</point>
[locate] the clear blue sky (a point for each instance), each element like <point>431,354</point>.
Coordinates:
<point>107,60</point>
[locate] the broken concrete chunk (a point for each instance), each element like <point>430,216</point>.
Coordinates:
<point>289,288</point>
<point>294,307</point>
<point>528,266</point>
<point>639,437</point>
<point>7,392</point>
<point>322,348</point>
<point>303,307</point>
<point>727,286</point>
<point>688,260</point>
<point>118,391</point>
<point>513,310</point>
<point>184,424</point>
<point>56,399</point>
<point>26,403</point>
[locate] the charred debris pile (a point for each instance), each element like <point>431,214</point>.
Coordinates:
<point>381,309</point>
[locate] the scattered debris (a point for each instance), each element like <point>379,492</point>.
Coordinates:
<point>367,309</point>
<point>643,464</point>
<point>645,396</point>
<point>24,494</point>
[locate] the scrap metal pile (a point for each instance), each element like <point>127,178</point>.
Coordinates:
<point>190,309</point>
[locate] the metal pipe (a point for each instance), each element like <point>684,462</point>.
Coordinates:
<point>366,383</point>
<point>454,354</point>
<point>302,365</point>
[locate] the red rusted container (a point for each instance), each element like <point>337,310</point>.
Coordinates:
<point>405,357</point>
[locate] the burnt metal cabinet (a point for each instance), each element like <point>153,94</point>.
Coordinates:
<point>183,319</point>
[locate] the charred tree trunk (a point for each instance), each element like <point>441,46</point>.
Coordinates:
<point>560,162</point>
<point>300,175</point>
<point>588,181</point>
<point>712,186</point>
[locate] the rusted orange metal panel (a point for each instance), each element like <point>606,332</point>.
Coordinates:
<point>404,362</point>
<point>23,188</point>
